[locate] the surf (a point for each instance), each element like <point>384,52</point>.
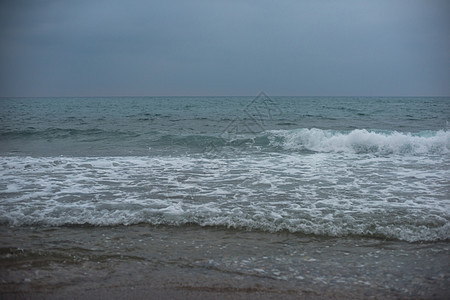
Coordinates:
<point>362,141</point>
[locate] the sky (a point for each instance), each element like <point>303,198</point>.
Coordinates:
<point>224,47</point>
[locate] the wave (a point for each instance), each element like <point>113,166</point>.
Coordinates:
<point>362,141</point>
<point>56,133</point>
<point>358,141</point>
<point>409,228</point>
<point>304,139</point>
<point>377,196</point>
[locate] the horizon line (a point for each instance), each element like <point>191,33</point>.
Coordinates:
<point>255,95</point>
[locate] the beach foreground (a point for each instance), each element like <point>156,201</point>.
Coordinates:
<point>156,262</point>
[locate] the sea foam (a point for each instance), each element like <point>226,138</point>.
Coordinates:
<point>362,141</point>
<point>320,193</point>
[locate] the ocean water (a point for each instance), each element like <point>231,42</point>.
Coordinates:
<point>314,168</point>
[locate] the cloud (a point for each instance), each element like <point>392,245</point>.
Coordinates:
<point>224,48</point>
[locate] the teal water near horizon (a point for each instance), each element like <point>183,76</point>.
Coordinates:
<point>143,125</point>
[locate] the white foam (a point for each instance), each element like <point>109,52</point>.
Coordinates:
<point>403,197</point>
<point>362,141</point>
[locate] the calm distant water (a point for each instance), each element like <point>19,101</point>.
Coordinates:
<point>372,167</point>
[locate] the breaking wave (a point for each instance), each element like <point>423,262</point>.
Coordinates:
<point>362,141</point>
<point>309,194</point>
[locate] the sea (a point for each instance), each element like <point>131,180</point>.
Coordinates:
<point>290,195</point>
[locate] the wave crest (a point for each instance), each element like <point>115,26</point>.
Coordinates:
<point>362,141</point>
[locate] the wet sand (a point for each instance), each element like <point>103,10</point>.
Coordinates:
<point>191,262</point>
<point>85,282</point>
<point>166,286</point>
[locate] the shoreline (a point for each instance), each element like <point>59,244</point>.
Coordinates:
<point>157,262</point>
<point>175,284</point>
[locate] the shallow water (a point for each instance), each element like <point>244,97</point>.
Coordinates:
<point>45,260</point>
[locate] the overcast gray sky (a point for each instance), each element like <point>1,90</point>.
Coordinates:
<point>218,47</point>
